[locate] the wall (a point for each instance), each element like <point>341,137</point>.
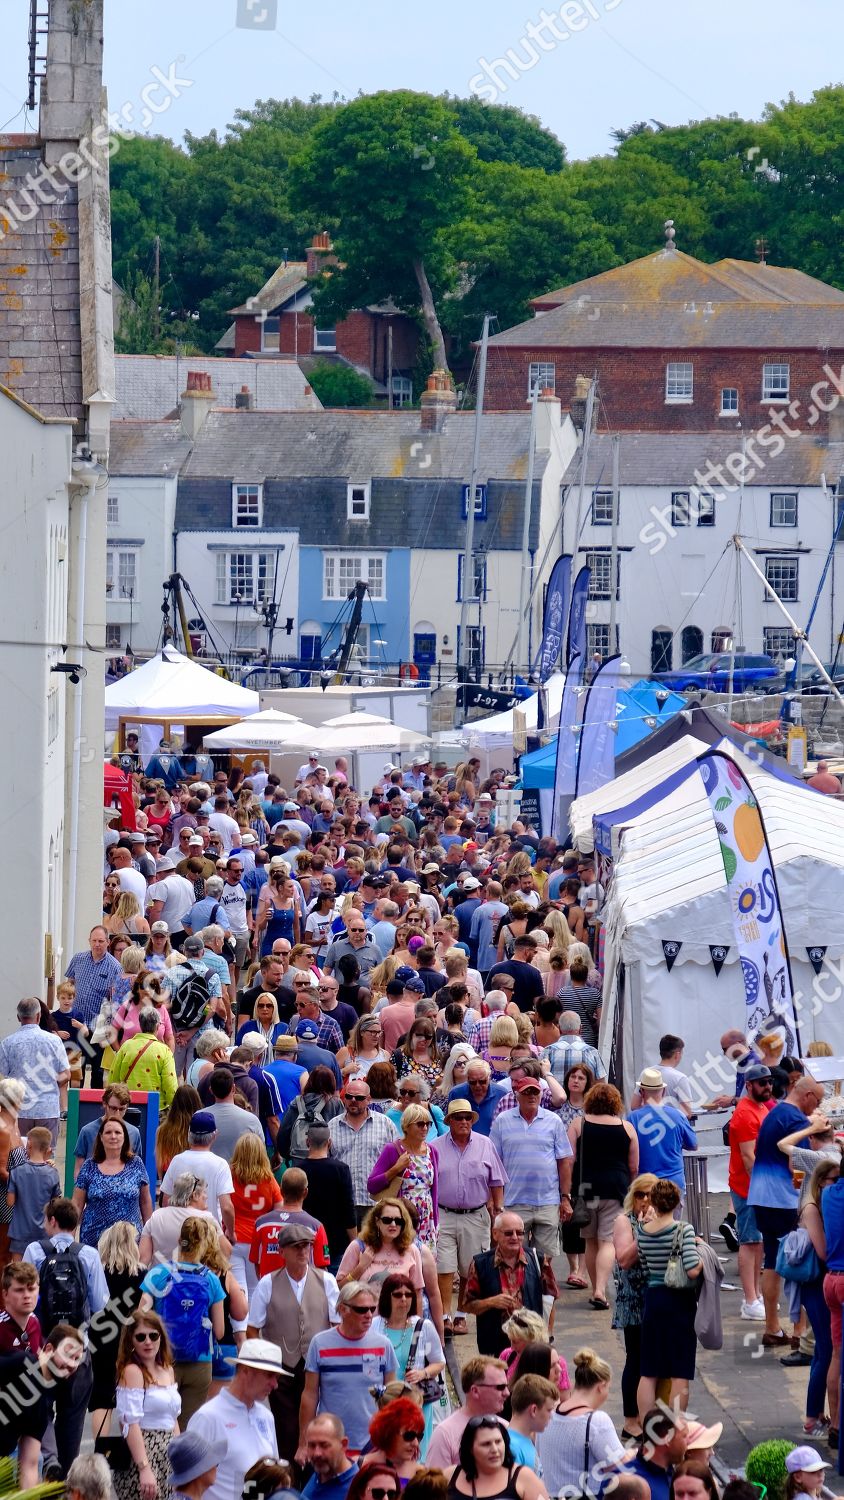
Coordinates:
<point>146,512</point>
<point>387,619</point>
<point>196,554</point>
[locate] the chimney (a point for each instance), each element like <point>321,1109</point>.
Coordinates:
<point>578,401</point>
<point>243,399</point>
<point>72,87</point>
<point>836,425</point>
<point>548,418</point>
<point>318,254</point>
<point>438,401</point>
<point>196,402</point>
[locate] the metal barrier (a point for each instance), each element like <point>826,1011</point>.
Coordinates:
<point>697,1193</point>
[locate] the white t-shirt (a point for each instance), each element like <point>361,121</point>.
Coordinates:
<point>133,880</point>
<point>259,781</point>
<point>213,1170</point>
<point>233,901</point>
<point>227,828</point>
<point>319,926</point>
<point>177,895</point>
<point>165,1225</point>
<point>677,1086</point>
<point>263,1291</point>
<point>249,1432</point>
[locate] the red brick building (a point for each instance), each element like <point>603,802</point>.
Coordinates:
<point>277,320</point>
<point>681,346</point>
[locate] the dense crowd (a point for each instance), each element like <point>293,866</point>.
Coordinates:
<point>371,1025</point>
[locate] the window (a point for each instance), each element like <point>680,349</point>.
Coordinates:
<point>401,391</point>
<point>729,401</point>
<point>112,638</point>
<point>691,642</point>
<point>270,333</point>
<point>705,505</point>
<point>246,505</point>
<point>341,571</point>
<point>598,639</point>
<point>782,574</point>
<point>778,642</point>
<point>600,565</point>
<point>53,716</point>
<point>475,638</point>
<point>602,508</point>
<point>783,509</point>
<point>479,576</point>
<point>720,639</point>
<point>480,501</point>
<point>121,574</point>
<point>662,650</point>
<point>357,502</point>
<point>541,377</point>
<point>245,577</point>
<point>112,510</point>
<point>775,382</point>
<point>325,340</point>
<point>679,381</point>
<point>680,508</point>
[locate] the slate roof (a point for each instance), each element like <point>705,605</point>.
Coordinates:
<point>659,458</point>
<point>149,386</point>
<point>288,279</point>
<point>670,300</point>
<point>147,450</point>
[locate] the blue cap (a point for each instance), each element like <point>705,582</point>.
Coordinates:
<point>414,984</point>
<point>203,1123</point>
<point>404,972</point>
<point>307,1030</point>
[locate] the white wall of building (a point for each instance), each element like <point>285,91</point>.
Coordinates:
<point>205,559</point>
<point>140,548</point>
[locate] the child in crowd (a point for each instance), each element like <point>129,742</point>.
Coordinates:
<point>32,1186</point>
<point>805,1469</point>
<point>19,1327</point>
<point>70,1029</point>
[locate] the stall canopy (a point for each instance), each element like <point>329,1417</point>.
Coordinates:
<point>170,688</point>
<point>270,730</point>
<point>636,705</point>
<point>349,734</point>
<point>494,736</point>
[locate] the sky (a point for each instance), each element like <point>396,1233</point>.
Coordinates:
<point>619,61</point>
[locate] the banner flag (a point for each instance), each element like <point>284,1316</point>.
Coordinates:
<point>577,620</point>
<point>754,898</point>
<point>554,618</point>
<point>670,951</point>
<point>816,958</point>
<point>596,755</point>
<point>718,954</point>
<point>565,769</point>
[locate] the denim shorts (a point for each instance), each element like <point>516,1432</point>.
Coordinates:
<point>746,1227</point>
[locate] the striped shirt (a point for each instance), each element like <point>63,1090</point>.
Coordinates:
<point>655,1250</point>
<point>360,1149</point>
<point>530,1151</point>
<point>346,1369</point>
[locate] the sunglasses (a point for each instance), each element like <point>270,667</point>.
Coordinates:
<point>411,1437</point>
<point>413,1093</point>
<point>141,1338</point>
<point>402,1292</point>
<point>378,1493</point>
<point>362,1312</point>
<point>391,1220</point>
<point>359,1097</point>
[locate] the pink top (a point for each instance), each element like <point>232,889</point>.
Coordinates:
<point>126,1019</point>
<point>386,1263</point>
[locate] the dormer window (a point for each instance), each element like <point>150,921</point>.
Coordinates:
<point>357,502</point>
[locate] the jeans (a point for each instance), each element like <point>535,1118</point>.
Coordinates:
<point>63,1438</point>
<point>812,1297</point>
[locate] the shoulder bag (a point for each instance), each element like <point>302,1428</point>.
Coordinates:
<point>115,1450</point>
<point>675,1272</point>
<point>432,1386</point>
<point>797,1258</point>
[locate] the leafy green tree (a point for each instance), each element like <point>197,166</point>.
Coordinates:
<point>340,385</point>
<point>145,326</point>
<point>501,132</point>
<point>391,175</point>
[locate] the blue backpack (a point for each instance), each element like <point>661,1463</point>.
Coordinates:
<point>184,1308</point>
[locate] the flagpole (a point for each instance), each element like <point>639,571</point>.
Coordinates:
<point>521,650</point>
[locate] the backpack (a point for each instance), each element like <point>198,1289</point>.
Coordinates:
<point>63,1296</point>
<point>305,1116</point>
<point>185,1311</point>
<point>190,1000</point>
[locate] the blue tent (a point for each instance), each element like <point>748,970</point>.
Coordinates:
<point>636,704</point>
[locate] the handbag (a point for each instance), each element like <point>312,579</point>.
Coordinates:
<point>115,1450</point>
<point>581,1213</point>
<point>797,1258</point>
<point>675,1272</point>
<point>431,1386</point>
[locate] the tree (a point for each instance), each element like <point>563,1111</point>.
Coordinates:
<point>340,385</point>
<point>390,174</point>
<point>145,327</point>
<point>501,132</point>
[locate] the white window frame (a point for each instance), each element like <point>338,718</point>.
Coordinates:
<point>681,508</point>
<point>778,642</point>
<point>776,382</point>
<point>113,636</point>
<point>325,340</point>
<point>775,574</point>
<point>271,335</point>
<point>705,505</point>
<point>401,391</point>
<point>679,382</point>
<point>117,575</point>
<point>256,568</point>
<point>113,510</point>
<point>600,577</point>
<point>358,495</point>
<point>789,495</point>
<point>542,376</point>
<point>341,571</point>
<point>602,506</point>
<point>598,639</point>
<point>247,506</point>
<point>728,410</point>
<point>479,579</point>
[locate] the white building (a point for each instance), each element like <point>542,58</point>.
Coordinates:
<point>142,489</point>
<point>682,587</point>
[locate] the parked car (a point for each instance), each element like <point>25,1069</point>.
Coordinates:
<point>711,673</point>
<point>813,683</point>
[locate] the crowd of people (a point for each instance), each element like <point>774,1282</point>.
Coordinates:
<point>372,1028</point>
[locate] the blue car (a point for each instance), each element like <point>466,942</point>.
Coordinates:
<point>711,673</point>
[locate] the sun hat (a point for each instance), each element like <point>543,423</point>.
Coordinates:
<point>259,1354</point>
<point>651,1078</point>
<point>460,1107</point>
<point>703,1437</point>
<point>190,1455</point>
<point>806,1460</point>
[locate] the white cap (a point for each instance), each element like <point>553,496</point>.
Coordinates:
<point>388,768</point>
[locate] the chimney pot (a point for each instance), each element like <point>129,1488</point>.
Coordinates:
<point>439,400</point>
<point>197,400</point>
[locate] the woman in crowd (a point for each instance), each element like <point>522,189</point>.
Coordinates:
<point>267,1022</point>
<point>397,1432</point>
<point>112,1186</point>
<point>693,1481</point>
<point>419,1053</point>
<point>362,1049</point>
<point>415,1090</point>
<point>121,1260</point>
<point>112,890</point>
<point>384,1247</point>
<point>523,1327</point>
<point>380,976</point>
<point>255,1193</point>
<point>147,989</point>
<point>416,1345</point>
<point>383,1086</point>
<point>350,990</point>
<point>539,1357</point>
<point>133,962</point>
<point>158,947</point>
<point>503,1037</point>
<point>375,1482</point>
<point>486,1470</point>
<point>190,1300</point>
<point>593,979</point>
<point>606,1158</point>
<point>631,1278</point>
<point>558,931</point>
<point>408,1168</point>
<point>188,1200</point>
<point>668,1322</point>
<point>148,1407</point>
<point>127,919</point>
<point>812,1297</point>
<point>514,925</point>
<point>172,1134</point>
<point>455,1069</point>
<point>580,1435</point>
<point>318,924</point>
<point>277,913</point>
<point>455,965</point>
<point>445,932</point>
<point>12,1152</point>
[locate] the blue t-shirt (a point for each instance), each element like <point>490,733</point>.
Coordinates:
<point>770,1181</point>
<point>286,1075</point>
<point>832,1212</point>
<point>664,1134</point>
<point>524,1451</point>
<point>336,1488</point>
<point>484,1111</point>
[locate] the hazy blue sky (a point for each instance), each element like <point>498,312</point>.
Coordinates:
<point>669,59</point>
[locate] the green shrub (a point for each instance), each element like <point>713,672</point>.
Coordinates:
<point>766,1465</point>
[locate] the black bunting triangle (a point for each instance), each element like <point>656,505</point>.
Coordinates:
<point>718,954</point>
<point>669,952</point>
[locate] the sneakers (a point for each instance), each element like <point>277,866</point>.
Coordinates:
<point>817,1427</point>
<point>727,1231</point>
<point>754,1311</point>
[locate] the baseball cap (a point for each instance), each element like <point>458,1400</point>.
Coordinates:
<point>471,884</point>
<point>203,1123</point>
<point>527,1083</point>
<point>252,1040</point>
<point>193,945</point>
<point>758,1073</point>
<point>415,985</point>
<point>306,1031</point>
<point>159,927</point>
<point>196,842</point>
<point>290,807</point>
<point>806,1459</point>
<point>403,972</point>
<point>313,755</point>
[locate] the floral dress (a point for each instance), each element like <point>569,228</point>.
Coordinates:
<point>416,1185</point>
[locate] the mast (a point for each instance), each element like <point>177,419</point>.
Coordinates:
<point>616,451</point>
<point>800,635</point>
<point>521,650</point>
<point>469,543</point>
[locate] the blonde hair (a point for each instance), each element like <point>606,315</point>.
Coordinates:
<point>557,926</point>
<point>133,959</point>
<point>380,976</point>
<point>590,1370</point>
<point>199,1243</point>
<point>819,1049</point>
<point>415,1114</point>
<point>117,1248</point>
<point>523,1025</point>
<point>447,920</point>
<point>503,1032</point>
<point>641,1184</point>
<point>127,906</point>
<point>580,950</point>
<point>527,1326</point>
<point>520,864</point>
<point>12,1094</point>
<point>250,1163</point>
<point>455,962</point>
<point>65,987</point>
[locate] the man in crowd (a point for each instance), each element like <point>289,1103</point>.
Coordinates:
<point>533,1145</point>
<point>49,1371</point>
<point>208,909</point>
<point>95,973</point>
<point>238,1414</point>
<point>527,985</point>
<point>398,1015</point>
<point>485,1389</point>
<point>169,899</point>
<point>482,1093</point>
<point>266,1251</point>
<point>504,1278</point>
<point>678,1089</point>
<point>342,1364</point>
<point>234,901</point>
<point>533,1403</point>
<point>231,1121</point>
<point>485,922</point>
<point>745,1124</point>
<point>38,1060</point>
<point>358,1137</point>
<point>571,1050</point>
<point>313,1025</point>
<point>202,1161</point>
<point>664,1132</point>
<point>664,1435</point>
<point>471,1180</point>
<point>345,1015</point>
<point>270,981</point>
<point>190,983</point>
<point>358,943</point>
<point>216,1048</point>
<point>326,1450</point>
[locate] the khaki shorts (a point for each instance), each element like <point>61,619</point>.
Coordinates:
<point>604,1212</point>
<point>460,1238</point>
<point>241,944</point>
<point>541,1225</point>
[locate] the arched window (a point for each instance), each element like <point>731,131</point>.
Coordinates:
<point>662,650</point>
<point>691,642</point>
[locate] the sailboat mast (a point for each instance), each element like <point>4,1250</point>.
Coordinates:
<point>467,592</point>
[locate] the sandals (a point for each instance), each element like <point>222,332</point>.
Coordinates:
<point>577,1282</point>
<point>460,1325</point>
<point>600,1304</point>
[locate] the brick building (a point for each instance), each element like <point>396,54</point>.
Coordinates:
<point>278,320</point>
<point>680,346</point>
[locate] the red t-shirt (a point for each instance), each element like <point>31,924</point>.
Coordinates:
<point>251,1201</point>
<point>266,1253</point>
<point>14,1339</point>
<point>744,1126</point>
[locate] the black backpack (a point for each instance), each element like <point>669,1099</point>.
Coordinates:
<point>190,1001</point>
<point>63,1294</point>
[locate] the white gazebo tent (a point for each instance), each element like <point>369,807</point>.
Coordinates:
<point>368,737</point>
<point>269,730</point>
<point>171,693</point>
<point>492,738</point>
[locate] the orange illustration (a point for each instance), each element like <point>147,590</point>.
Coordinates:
<point>747,831</point>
